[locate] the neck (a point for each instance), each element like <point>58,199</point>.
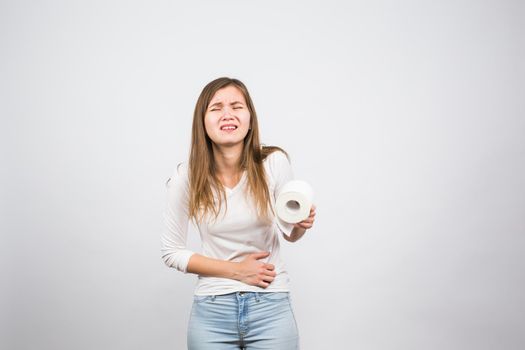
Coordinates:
<point>227,159</point>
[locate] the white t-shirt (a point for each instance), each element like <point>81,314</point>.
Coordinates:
<point>236,232</point>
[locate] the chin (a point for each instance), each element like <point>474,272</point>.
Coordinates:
<point>228,142</point>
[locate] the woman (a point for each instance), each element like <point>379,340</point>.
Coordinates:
<point>228,188</point>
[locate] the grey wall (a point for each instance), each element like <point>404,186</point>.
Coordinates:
<point>407,117</point>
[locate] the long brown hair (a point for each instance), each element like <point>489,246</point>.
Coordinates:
<point>203,179</point>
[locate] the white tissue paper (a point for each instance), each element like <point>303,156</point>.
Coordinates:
<point>294,201</point>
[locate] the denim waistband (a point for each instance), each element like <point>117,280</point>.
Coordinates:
<point>238,295</point>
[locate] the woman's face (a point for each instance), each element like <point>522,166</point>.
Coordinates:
<point>227,118</point>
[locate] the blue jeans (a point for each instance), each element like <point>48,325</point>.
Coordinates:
<point>243,320</point>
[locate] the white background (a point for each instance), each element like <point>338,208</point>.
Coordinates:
<point>407,118</point>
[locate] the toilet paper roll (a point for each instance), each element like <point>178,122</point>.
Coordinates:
<point>294,201</point>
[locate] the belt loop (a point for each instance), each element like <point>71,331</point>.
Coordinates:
<point>213,298</point>
<point>257,296</point>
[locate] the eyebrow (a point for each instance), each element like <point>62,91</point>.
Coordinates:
<point>220,103</point>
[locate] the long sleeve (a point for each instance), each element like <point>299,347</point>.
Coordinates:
<point>281,172</point>
<point>173,239</point>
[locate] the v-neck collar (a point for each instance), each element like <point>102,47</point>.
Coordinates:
<point>239,184</point>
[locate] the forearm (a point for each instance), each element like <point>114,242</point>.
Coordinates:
<point>204,266</point>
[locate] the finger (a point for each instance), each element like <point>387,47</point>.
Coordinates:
<point>302,224</point>
<point>263,284</point>
<point>260,255</point>
<point>270,273</point>
<point>306,225</point>
<point>268,279</point>
<point>270,267</point>
<point>307,221</point>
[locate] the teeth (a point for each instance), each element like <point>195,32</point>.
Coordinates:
<point>229,128</point>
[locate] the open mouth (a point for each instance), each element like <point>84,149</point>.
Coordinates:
<point>228,127</point>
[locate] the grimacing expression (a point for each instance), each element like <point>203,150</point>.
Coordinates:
<point>227,118</point>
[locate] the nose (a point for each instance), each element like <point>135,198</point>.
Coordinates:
<point>226,112</point>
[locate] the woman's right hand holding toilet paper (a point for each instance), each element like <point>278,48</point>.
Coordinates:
<point>294,205</point>
<point>300,228</point>
<point>308,222</point>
